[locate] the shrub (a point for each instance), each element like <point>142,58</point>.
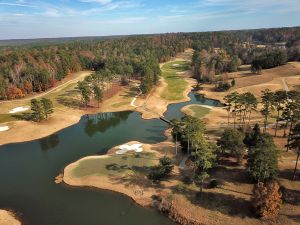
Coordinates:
<point>187,180</point>
<point>267,199</point>
<point>161,171</point>
<point>222,86</point>
<point>213,183</point>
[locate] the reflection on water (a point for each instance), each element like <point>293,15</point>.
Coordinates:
<point>27,171</point>
<point>49,142</point>
<point>103,121</point>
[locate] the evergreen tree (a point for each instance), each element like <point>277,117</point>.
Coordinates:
<point>38,111</point>
<point>268,103</point>
<point>262,162</point>
<point>294,143</point>
<point>48,106</point>
<point>98,94</point>
<point>232,140</point>
<point>85,91</point>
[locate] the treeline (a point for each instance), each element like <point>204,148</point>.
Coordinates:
<point>28,69</point>
<point>269,59</point>
<point>36,69</point>
<point>223,52</point>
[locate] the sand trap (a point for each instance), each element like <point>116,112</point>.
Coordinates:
<point>180,73</point>
<point>18,109</point>
<point>4,128</point>
<point>175,65</point>
<point>127,148</point>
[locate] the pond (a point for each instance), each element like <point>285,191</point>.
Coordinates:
<point>27,171</point>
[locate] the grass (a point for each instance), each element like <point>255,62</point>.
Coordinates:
<point>197,111</point>
<point>63,98</point>
<point>176,83</point>
<point>6,118</point>
<point>116,165</point>
<point>119,104</point>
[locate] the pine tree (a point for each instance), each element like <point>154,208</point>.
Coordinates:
<point>48,106</point>
<point>38,111</point>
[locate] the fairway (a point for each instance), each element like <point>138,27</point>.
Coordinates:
<point>64,96</point>
<point>176,84</point>
<point>116,165</point>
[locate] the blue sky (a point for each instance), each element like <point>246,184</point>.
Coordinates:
<point>67,18</point>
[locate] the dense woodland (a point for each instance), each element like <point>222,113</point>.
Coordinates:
<point>36,68</point>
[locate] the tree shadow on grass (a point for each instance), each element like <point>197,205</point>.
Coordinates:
<point>223,203</point>
<point>291,196</point>
<point>69,99</point>
<point>23,116</point>
<point>288,174</point>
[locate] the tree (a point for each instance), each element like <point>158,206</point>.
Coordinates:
<point>38,111</point>
<point>203,161</point>
<point>291,113</point>
<point>98,94</point>
<point>192,130</point>
<point>268,102</point>
<point>176,131</point>
<point>262,164</point>
<point>267,199</point>
<point>48,106</point>
<point>252,138</point>
<point>229,101</point>
<point>294,143</point>
<point>161,171</point>
<point>232,140</point>
<point>14,92</point>
<point>85,91</point>
<point>280,98</point>
<point>249,103</point>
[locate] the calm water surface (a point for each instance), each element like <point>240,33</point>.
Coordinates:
<point>27,171</point>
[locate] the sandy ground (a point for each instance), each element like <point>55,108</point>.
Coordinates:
<point>137,187</point>
<point>8,218</point>
<point>270,78</point>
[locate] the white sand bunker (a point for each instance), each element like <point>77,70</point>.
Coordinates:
<point>175,65</point>
<point>179,73</point>
<point>127,148</point>
<point>18,109</point>
<point>4,128</point>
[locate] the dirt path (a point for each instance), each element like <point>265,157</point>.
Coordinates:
<point>80,76</point>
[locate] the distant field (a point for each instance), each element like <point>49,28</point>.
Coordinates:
<point>176,83</point>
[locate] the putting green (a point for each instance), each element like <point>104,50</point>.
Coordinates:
<point>196,110</point>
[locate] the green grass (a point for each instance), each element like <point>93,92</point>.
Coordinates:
<point>176,83</point>
<point>197,111</point>
<point>119,104</point>
<point>6,118</point>
<point>116,165</point>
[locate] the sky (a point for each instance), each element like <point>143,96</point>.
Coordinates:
<point>20,19</point>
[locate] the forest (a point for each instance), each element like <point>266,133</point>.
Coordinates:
<point>29,68</point>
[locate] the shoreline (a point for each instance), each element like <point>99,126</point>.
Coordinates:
<point>25,131</point>
<point>137,192</point>
<point>8,217</point>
